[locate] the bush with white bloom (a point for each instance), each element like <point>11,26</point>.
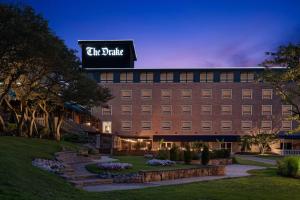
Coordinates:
<point>48,165</point>
<point>157,162</point>
<point>114,166</point>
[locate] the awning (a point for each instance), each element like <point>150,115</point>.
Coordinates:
<point>133,137</point>
<point>285,135</point>
<point>194,138</point>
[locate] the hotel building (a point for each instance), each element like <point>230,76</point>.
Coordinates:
<point>165,106</point>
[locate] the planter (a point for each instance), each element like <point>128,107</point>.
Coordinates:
<point>221,161</point>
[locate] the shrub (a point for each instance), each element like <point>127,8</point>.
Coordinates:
<point>156,162</point>
<point>114,166</point>
<point>220,153</point>
<point>174,153</point>
<point>195,155</point>
<point>76,138</point>
<point>140,145</point>
<point>187,155</point>
<point>163,154</point>
<point>205,156</point>
<point>289,166</point>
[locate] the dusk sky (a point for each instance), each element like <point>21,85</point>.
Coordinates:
<point>179,34</point>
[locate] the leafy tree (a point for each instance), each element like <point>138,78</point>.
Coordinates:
<point>174,152</point>
<point>246,143</point>
<point>264,139</point>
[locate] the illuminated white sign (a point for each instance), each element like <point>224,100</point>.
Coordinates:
<point>106,127</point>
<point>104,51</point>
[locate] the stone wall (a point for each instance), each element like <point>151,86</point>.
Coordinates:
<point>161,175</point>
<point>224,161</point>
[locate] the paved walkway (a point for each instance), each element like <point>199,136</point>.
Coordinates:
<point>232,171</point>
<point>257,159</point>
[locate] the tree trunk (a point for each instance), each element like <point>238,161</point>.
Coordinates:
<point>2,123</point>
<point>58,126</point>
<point>32,122</point>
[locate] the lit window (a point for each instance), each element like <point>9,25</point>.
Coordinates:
<point>186,109</point>
<point>126,77</point>
<point>226,145</point>
<point>226,77</point>
<point>126,94</point>
<point>286,110</point>
<point>107,110</point>
<point>166,94</point>
<point>206,109</point>
<point>246,93</point>
<point>126,109</point>
<point>247,77</point>
<point>126,125</point>
<point>267,93</point>
<point>226,93</point>
<point>206,77</point>
<point>146,94</point>
<point>186,125</point>
<point>246,109</point>
<point>186,77</point>
<point>186,93</point>
<point>266,109</point>
<point>146,125</point>
<point>166,145</point>
<point>166,77</point>
<point>146,109</point>
<point>266,125</point>
<point>226,125</point>
<point>206,125</point>
<point>106,77</point>
<point>246,125</point>
<point>286,125</point>
<point>226,109</point>
<point>166,109</point>
<point>146,77</point>
<point>106,127</point>
<point>166,125</point>
<point>206,93</point>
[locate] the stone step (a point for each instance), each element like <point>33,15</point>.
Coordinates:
<point>91,182</point>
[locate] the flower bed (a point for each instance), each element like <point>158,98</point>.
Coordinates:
<point>114,166</point>
<point>157,162</point>
<point>48,165</point>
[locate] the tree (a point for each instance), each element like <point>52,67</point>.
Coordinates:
<point>264,139</point>
<point>246,142</point>
<point>205,155</point>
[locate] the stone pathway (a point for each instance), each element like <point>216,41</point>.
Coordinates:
<point>257,159</point>
<point>232,171</point>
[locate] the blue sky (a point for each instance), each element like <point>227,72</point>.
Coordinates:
<point>211,33</point>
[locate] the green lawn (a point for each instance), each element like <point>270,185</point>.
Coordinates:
<point>271,157</point>
<point>139,163</point>
<point>244,161</point>
<point>20,180</point>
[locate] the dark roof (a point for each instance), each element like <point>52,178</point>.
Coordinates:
<point>193,138</point>
<point>76,107</point>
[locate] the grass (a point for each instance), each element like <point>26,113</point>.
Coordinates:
<point>139,163</point>
<point>271,157</point>
<point>20,180</point>
<point>244,161</point>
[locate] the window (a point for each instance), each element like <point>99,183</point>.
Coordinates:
<point>107,110</point>
<point>146,109</point>
<point>166,109</point>
<point>186,109</point>
<point>206,109</point>
<point>166,125</point>
<point>226,77</point>
<point>226,109</point>
<point>106,127</point>
<point>166,145</point>
<point>126,77</point>
<point>186,77</point>
<point>186,93</point>
<point>286,110</point>
<point>246,109</point>
<point>267,93</point>
<point>126,125</point>
<point>106,77</point>
<point>166,77</point>
<point>206,93</point>
<point>246,93</point>
<point>226,93</point>
<point>126,109</point>
<point>226,145</point>
<point>146,77</point>
<point>206,125</point>
<point>186,125</point>
<point>126,94</point>
<point>266,125</point>
<point>246,125</point>
<point>206,77</point>
<point>266,109</point>
<point>146,94</point>
<point>247,77</point>
<point>146,125</point>
<point>226,125</point>
<point>166,94</point>
<point>286,125</point>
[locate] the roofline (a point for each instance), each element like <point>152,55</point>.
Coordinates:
<point>196,68</point>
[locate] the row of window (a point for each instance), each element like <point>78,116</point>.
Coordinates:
<point>187,94</point>
<point>205,110</point>
<point>205,125</point>
<point>184,77</point>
